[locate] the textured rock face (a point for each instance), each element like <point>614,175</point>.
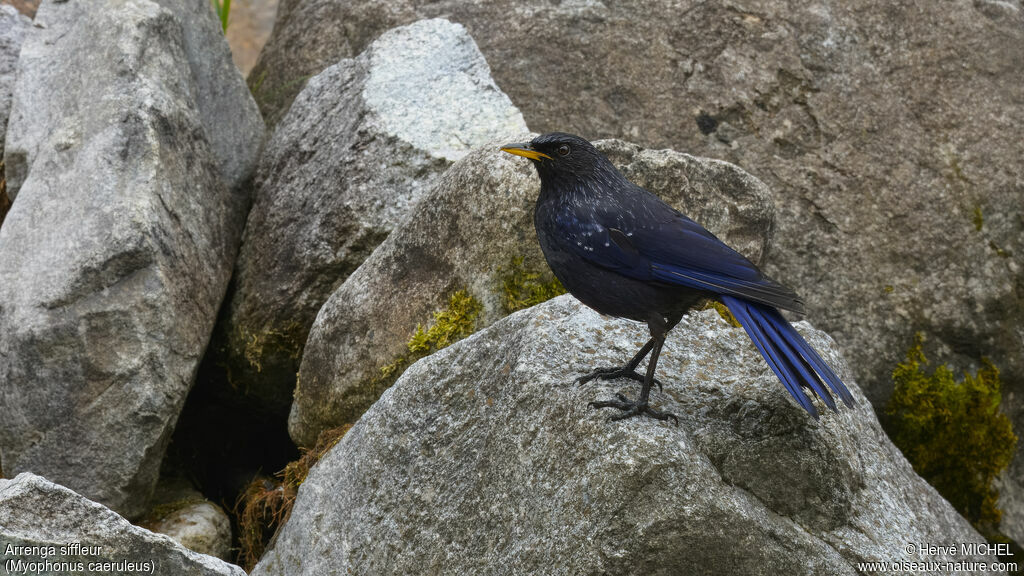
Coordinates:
<point>586,65</point>
<point>892,149</point>
<point>359,147</point>
<point>36,512</point>
<point>466,235</point>
<point>233,124</point>
<point>116,253</point>
<point>879,139</point>
<point>13,28</point>
<point>484,459</point>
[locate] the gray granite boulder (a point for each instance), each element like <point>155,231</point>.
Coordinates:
<point>227,112</point>
<point>483,458</point>
<point>230,117</point>
<point>13,28</point>
<point>360,146</point>
<point>474,232</point>
<point>49,529</point>
<point>116,253</point>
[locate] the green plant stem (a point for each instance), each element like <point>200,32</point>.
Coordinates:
<point>223,8</point>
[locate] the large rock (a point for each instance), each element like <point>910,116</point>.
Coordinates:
<point>229,116</point>
<point>596,68</point>
<point>889,134</point>
<point>13,28</point>
<point>359,147</point>
<point>234,126</point>
<point>68,534</point>
<point>468,234</point>
<point>484,459</point>
<point>116,253</point>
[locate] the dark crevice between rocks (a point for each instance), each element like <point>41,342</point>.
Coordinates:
<point>265,506</point>
<point>226,438</point>
<point>5,202</point>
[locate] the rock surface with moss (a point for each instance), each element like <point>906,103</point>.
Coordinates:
<point>362,143</point>
<point>483,458</point>
<point>888,132</point>
<point>474,232</point>
<point>37,512</point>
<point>953,432</point>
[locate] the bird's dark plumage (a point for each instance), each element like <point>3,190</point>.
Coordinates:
<point>624,252</point>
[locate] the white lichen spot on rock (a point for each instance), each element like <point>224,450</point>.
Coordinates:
<point>431,87</point>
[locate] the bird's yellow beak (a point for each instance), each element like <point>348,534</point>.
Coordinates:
<point>524,150</point>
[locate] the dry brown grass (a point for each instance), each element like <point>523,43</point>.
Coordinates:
<point>267,502</point>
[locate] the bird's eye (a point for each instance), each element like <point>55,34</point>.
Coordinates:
<point>563,150</point>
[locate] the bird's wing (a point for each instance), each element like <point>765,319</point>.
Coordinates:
<point>654,242</point>
<point>604,246</point>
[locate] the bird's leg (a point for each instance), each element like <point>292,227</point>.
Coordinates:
<point>641,406</point>
<point>627,371</point>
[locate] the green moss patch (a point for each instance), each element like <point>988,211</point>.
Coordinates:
<point>450,325</point>
<point>953,433</point>
<point>522,288</point>
<point>284,343</point>
<point>978,219</point>
<point>723,311</point>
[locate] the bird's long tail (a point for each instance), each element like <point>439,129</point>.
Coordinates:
<point>788,354</point>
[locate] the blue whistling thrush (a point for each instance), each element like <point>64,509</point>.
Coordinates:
<point>624,252</point>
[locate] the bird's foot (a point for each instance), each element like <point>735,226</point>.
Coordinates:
<point>630,409</point>
<point>612,373</point>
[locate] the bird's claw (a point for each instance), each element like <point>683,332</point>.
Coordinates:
<point>630,409</point>
<point>612,373</point>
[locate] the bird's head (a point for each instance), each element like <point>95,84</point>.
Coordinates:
<point>558,155</point>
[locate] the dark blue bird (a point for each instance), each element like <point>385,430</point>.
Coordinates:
<point>624,252</point>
